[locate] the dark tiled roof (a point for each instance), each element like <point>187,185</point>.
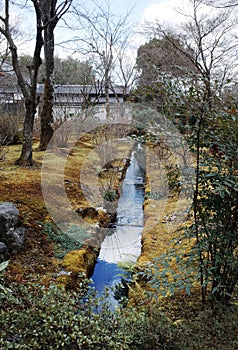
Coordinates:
<point>82,89</point>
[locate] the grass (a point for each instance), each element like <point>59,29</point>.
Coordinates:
<point>23,187</point>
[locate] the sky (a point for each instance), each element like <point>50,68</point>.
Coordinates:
<point>141,11</point>
<point>165,10</point>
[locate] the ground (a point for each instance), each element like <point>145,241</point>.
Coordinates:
<point>22,186</point>
<point>203,327</point>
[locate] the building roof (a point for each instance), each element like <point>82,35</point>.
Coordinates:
<point>82,89</point>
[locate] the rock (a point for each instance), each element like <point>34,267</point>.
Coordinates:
<point>11,231</point>
<point>76,265</point>
<point>3,251</point>
<point>3,248</point>
<point>88,212</point>
<point>121,290</point>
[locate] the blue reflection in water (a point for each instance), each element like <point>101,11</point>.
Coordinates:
<point>106,274</point>
<point>110,275</point>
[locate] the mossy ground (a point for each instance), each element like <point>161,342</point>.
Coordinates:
<point>23,187</point>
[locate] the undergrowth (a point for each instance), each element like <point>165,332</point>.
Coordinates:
<point>36,317</point>
<point>67,241</point>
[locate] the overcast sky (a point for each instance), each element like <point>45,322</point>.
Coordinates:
<point>141,10</point>
<point>165,10</point>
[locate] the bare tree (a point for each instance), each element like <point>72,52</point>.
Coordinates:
<point>28,88</point>
<point>4,50</point>
<point>126,71</point>
<point>208,43</point>
<point>104,33</point>
<point>51,12</point>
<point>221,3</point>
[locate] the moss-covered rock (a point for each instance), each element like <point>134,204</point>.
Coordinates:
<point>77,263</point>
<point>80,261</point>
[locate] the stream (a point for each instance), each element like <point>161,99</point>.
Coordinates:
<point>122,244</point>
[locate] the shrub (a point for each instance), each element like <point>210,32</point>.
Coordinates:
<point>173,176</point>
<point>10,128</point>
<point>38,318</point>
<point>110,195</point>
<point>216,207</point>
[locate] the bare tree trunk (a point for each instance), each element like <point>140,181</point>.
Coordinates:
<point>107,83</point>
<point>51,15</point>
<point>28,90</point>
<point>48,99</point>
<point>46,118</point>
<point>26,152</point>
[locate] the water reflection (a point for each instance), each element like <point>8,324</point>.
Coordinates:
<point>123,243</point>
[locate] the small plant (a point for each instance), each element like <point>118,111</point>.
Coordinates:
<point>3,290</point>
<point>173,271</point>
<point>110,195</point>
<point>72,239</point>
<point>155,195</point>
<point>173,176</point>
<point>3,266</point>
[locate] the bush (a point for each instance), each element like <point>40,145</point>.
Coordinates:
<point>173,176</point>
<point>216,207</point>
<point>34,317</point>
<point>110,195</point>
<point>10,128</point>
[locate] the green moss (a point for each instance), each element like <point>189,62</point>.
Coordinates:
<point>76,261</point>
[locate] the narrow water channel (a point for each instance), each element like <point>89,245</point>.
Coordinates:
<point>122,244</point>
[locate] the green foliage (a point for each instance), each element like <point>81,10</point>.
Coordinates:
<point>173,176</point>
<point>3,266</point>
<point>66,241</point>
<point>174,271</point>
<point>41,318</point>
<point>160,57</point>
<point>216,225</point>
<point>3,290</point>
<point>71,71</point>
<point>110,195</point>
<point>213,137</point>
<point>36,317</point>
<point>204,328</point>
<point>156,195</point>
